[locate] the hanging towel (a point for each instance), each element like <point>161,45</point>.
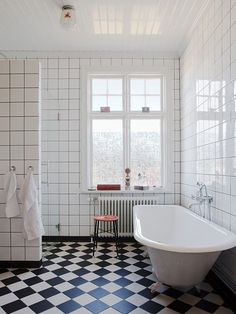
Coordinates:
<point>32,222</point>
<point>12,207</point>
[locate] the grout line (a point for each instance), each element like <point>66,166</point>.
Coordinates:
<point>9,103</point>
<point>24,147</point>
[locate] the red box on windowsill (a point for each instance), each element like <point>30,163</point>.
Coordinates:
<point>108,187</point>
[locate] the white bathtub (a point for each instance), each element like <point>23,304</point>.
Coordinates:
<point>182,245</point>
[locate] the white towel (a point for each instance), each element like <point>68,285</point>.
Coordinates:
<point>32,222</point>
<point>12,207</point>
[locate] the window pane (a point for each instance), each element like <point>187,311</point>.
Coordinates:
<point>99,86</point>
<point>115,103</point>
<point>137,86</point>
<point>137,102</point>
<point>107,151</point>
<point>99,101</point>
<point>153,86</point>
<point>153,102</point>
<point>115,86</point>
<point>145,152</point>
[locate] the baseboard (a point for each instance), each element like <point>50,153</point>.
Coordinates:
<point>223,272</point>
<point>83,239</point>
<point>220,286</point>
<point>20,264</point>
<point>66,239</point>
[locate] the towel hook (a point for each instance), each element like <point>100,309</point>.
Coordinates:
<point>31,168</point>
<point>13,168</point>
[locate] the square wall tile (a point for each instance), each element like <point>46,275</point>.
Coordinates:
<point>5,225</point>
<point>4,109</point>
<point>18,253</point>
<point>17,123</point>
<point>31,66</point>
<point>31,80</point>
<point>4,95</point>
<point>4,239</point>
<point>4,66</point>
<point>31,94</point>
<point>17,94</point>
<point>17,66</point>
<point>17,81</point>
<point>33,253</point>
<point>5,253</point>
<point>17,138</point>
<point>17,109</point>
<point>32,109</point>
<point>4,80</point>
<point>17,239</point>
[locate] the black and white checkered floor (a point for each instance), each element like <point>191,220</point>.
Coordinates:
<point>72,281</point>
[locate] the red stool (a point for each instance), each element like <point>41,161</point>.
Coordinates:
<point>107,219</point>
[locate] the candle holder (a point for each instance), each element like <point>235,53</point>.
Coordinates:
<point>127,178</point>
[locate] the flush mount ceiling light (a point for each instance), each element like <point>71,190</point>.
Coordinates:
<point>68,19</point>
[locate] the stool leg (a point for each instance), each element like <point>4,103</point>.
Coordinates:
<point>97,231</point>
<point>115,226</point>
<point>95,236</point>
<point>94,232</point>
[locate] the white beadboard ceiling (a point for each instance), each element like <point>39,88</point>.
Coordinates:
<point>102,25</point>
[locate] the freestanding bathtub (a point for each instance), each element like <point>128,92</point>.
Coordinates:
<point>182,246</point>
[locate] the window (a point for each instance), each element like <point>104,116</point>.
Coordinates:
<point>145,93</point>
<point>126,122</point>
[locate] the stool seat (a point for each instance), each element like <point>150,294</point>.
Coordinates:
<point>106,218</point>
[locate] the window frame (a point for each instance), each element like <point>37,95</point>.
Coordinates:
<point>96,76</point>
<point>146,76</point>
<point>165,115</point>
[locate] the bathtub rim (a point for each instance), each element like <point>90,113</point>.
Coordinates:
<point>183,249</point>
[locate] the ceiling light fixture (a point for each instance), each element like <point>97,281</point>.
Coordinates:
<point>68,19</point>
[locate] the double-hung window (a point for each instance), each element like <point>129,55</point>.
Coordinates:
<point>126,119</point>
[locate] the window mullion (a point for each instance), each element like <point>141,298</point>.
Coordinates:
<point>90,137</point>
<point>125,129</point>
<point>163,152</point>
<point>90,171</point>
<point>127,142</point>
<point>127,147</point>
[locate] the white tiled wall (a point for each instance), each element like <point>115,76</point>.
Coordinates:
<point>19,147</point>
<point>208,142</point>
<point>61,100</point>
<point>61,140</point>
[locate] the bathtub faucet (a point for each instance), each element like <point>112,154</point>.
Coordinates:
<point>202,197</point>
<point>206,197</point>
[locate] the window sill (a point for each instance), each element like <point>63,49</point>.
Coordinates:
<point>131,191</point>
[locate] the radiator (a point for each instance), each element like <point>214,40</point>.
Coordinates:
<point>123,208</point>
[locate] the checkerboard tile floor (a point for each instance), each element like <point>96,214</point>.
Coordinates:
<point>72,281</point>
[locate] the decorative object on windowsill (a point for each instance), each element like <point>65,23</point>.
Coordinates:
<point>105,109</point>
<point>68,19</point>
<point>92,188</point>
<point>145,109</point>
<point>141,187</point>
<point>108,187</point>
<point>142,183</point>
<point>127,178</point>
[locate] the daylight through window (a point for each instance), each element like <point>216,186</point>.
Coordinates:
<point>125,127</point>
